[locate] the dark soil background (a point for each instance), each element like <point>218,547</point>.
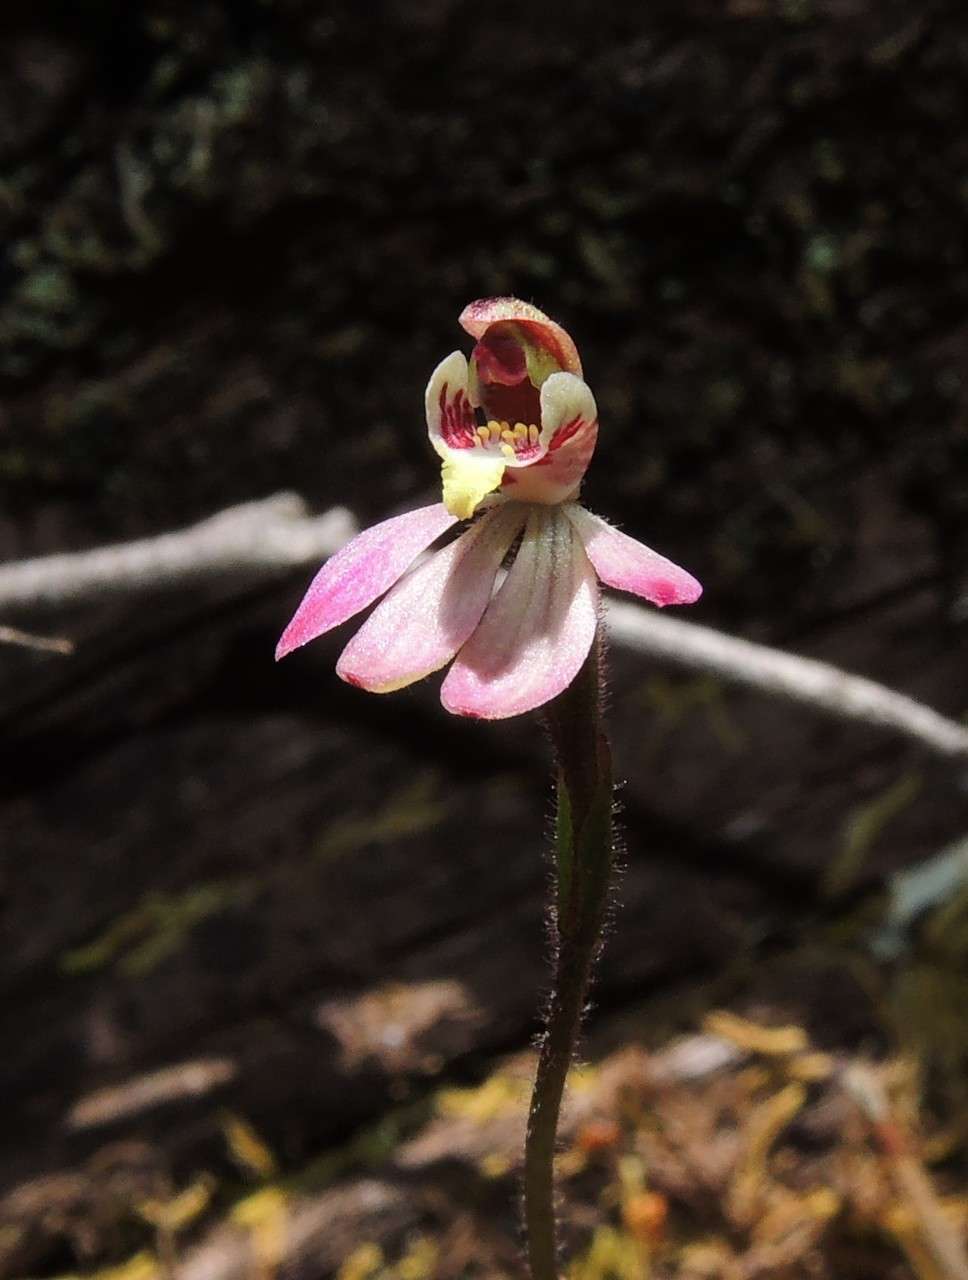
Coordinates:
<point>234,240</point>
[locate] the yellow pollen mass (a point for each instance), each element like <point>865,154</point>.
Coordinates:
<point>509,438</point>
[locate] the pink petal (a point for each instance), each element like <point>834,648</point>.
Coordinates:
<point>537,630</point>
<point>361,571</point>
<point>429,614</point>
<point>628,565</point>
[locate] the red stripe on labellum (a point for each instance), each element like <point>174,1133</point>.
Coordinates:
<point>561,437</point>
<point>566,432</point>
<point>456,420</point>
<point>525,452</point>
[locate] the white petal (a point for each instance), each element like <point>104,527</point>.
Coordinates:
<point>569,430</point>
<point>567,406</point>
<point>450,415</point>
<point>537,630</point>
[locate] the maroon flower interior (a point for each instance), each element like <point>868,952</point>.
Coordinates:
<point>506,391</point>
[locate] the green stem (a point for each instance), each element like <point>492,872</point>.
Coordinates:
<point>584,862</point>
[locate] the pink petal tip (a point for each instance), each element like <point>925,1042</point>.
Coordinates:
<point>361,572</point>
<point>628,565</point>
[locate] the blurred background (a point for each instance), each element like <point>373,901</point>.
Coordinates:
<point>273,951</point>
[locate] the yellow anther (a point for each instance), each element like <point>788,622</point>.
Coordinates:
<point>494,428</point>
<point>507,450</point>
<point>507,435</point>
<point>520,431</point>
<point>483,435</point>
<point>534,434</point>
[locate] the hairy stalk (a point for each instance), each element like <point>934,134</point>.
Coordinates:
<point>583,855</point>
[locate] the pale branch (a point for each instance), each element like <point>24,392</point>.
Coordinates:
<point>28,640</point>
<point>785,675</point>
<point>265,536</point>
<point>276,534</point>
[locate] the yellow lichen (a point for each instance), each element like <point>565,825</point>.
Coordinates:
<point>246,1147</point>
<point>612,1255</point>
<point>419,1262</point>
<point>495,1097</point>
<point>364,1262</point>
<point>754,1038</point>
<point>181,1210</point>
<point>265,1215</point>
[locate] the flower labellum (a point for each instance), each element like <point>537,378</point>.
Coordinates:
<point>515,427</point>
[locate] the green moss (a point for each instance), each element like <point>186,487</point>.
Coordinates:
<point>673,701</point>
<point>724,397</point>
<point>408,812</point>
<point>138,941</point>
<point>822,254</point>
<point>49,289</point>
<point>863,828</point>
<point>240,91</point>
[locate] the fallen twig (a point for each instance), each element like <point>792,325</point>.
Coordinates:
<point>772,671</point>
<point>27,640</point>
<point>276,533</point>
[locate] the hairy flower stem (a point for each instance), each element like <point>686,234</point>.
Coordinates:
<point>583,856</point>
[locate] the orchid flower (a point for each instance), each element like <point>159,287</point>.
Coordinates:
<point>515,427</point>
